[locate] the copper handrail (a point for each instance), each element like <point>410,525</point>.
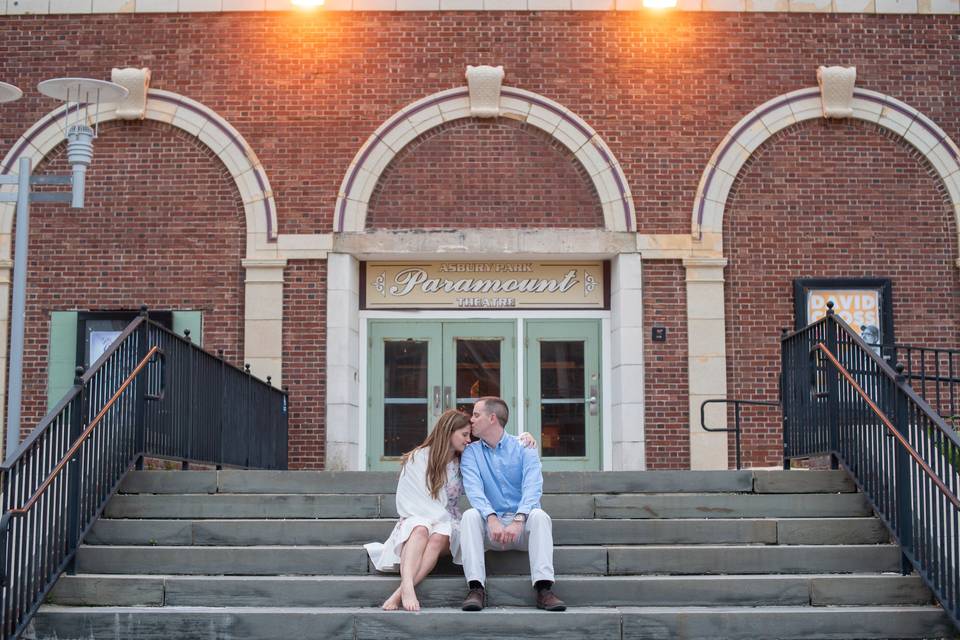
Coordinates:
<point>83,436</point>
<point>889,425</point>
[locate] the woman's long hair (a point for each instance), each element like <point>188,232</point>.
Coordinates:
<point>439,443</point>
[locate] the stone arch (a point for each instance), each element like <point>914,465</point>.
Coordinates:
<point>762,123</point>
<point>413,120</point>
<point>211,129</point>
<point>436,181</point>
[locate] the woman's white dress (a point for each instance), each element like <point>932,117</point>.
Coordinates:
<point>417,508</point>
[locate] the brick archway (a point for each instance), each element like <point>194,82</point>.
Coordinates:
<point>413,120</point>
<point>762,123</point>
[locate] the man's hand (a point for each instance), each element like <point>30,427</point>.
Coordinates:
<point>495,528</point>
<point>512,533</point>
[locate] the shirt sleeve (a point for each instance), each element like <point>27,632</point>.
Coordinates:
<point>532,482</point>
<point>473,483</point>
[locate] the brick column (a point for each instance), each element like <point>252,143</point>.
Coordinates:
<point>707,357</point>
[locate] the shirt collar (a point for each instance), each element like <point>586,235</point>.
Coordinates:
<point>500,444</point>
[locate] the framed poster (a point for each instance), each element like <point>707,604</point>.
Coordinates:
<point>866,304</point>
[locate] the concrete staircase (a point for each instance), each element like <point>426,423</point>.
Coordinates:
<point>250,554</point>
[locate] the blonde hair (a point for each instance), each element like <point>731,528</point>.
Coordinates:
<point>438,442</point>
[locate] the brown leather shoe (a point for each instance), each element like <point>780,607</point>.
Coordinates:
<point>547,600</point>
<point>475,600</point>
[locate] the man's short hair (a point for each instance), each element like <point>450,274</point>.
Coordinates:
<point>497,407</point>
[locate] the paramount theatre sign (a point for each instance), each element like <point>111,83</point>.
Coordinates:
<point>485,285</point>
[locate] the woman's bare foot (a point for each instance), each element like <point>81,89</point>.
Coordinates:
<point>393,602</point>
<point>409,598</point>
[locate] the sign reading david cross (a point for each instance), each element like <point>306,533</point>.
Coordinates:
<point>484,285</point>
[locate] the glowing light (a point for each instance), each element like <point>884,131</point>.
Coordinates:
<point>659,4</point>
<point>307,4</point>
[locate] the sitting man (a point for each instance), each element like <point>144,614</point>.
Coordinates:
<point>504,483</point>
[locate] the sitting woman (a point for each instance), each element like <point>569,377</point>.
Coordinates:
<point>428,496</point>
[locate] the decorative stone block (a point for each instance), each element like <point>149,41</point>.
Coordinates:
<point>484,83</point>
<point>836,90</point>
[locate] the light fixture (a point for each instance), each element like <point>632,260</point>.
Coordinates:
<point>307,4</point>
<point>83,97</point>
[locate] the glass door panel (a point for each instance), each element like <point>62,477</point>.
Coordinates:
<point>405,374</point>
<point>417,370</point>
<point>562,370</point>
<point>479,361</point>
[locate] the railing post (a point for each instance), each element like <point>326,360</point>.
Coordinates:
<point>903,486</point>
<point>222,385</point>
<point>246,415</point>
<point>188,420</point>
<point>140,417</point>
<point>833,388</point>
<point>78,421</point>
<point>782,396</point>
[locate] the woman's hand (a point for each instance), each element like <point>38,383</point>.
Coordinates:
<point>527,440</point>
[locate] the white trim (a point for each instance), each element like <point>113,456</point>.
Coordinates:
<point>914,7</point>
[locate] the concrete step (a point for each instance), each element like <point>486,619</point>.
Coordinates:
<point>647,506</point>
<point>588,560</point>
<point>360,482</point>
<point>565,532</point>
<point>577,591</point>
<point>187,623</point>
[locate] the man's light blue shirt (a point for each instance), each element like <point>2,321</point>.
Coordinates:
<point>504,479</point>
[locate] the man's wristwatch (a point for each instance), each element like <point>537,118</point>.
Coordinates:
<point>520,517</point>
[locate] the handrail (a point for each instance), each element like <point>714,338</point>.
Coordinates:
<point>45,422</point>
<point>841,399</point>
<point>887,370</point>
<point>888,424</point>
<point>736,410</point>
<point>153,393</point>
<point>82,438</point>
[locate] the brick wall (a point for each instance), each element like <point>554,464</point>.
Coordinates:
<point>497,173</point>
<point>162,226</point>
<point>305,360</point>
<point>662,89</point>
<point>831,199</point>
<point>665,366</point>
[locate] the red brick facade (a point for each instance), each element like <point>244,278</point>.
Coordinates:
<point>665,366</point>
<point>304,361</point>
<point>306,91</point>
<point>162,226</point>
<point>828,200</point>
<point>484,173</point>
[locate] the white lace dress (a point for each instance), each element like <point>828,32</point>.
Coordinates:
<point>417,508</point>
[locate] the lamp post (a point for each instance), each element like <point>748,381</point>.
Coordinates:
<point>83,97</point>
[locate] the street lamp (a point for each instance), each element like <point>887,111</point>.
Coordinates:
<point>83,97</point>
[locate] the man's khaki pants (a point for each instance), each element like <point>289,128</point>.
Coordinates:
<point>536,540</point>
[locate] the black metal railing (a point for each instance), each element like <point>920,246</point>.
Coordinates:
<point>841,399</point>
<point>152,393</point>
<point>736,430</point>
<point>934,373</point>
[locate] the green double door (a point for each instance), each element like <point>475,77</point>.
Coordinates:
<point>418,370</point>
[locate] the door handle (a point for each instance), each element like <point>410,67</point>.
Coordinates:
<point>592,400</point>
<point>446,398</point>
<point>436,400</point>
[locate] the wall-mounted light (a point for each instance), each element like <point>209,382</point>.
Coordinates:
<point>307,4</point>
